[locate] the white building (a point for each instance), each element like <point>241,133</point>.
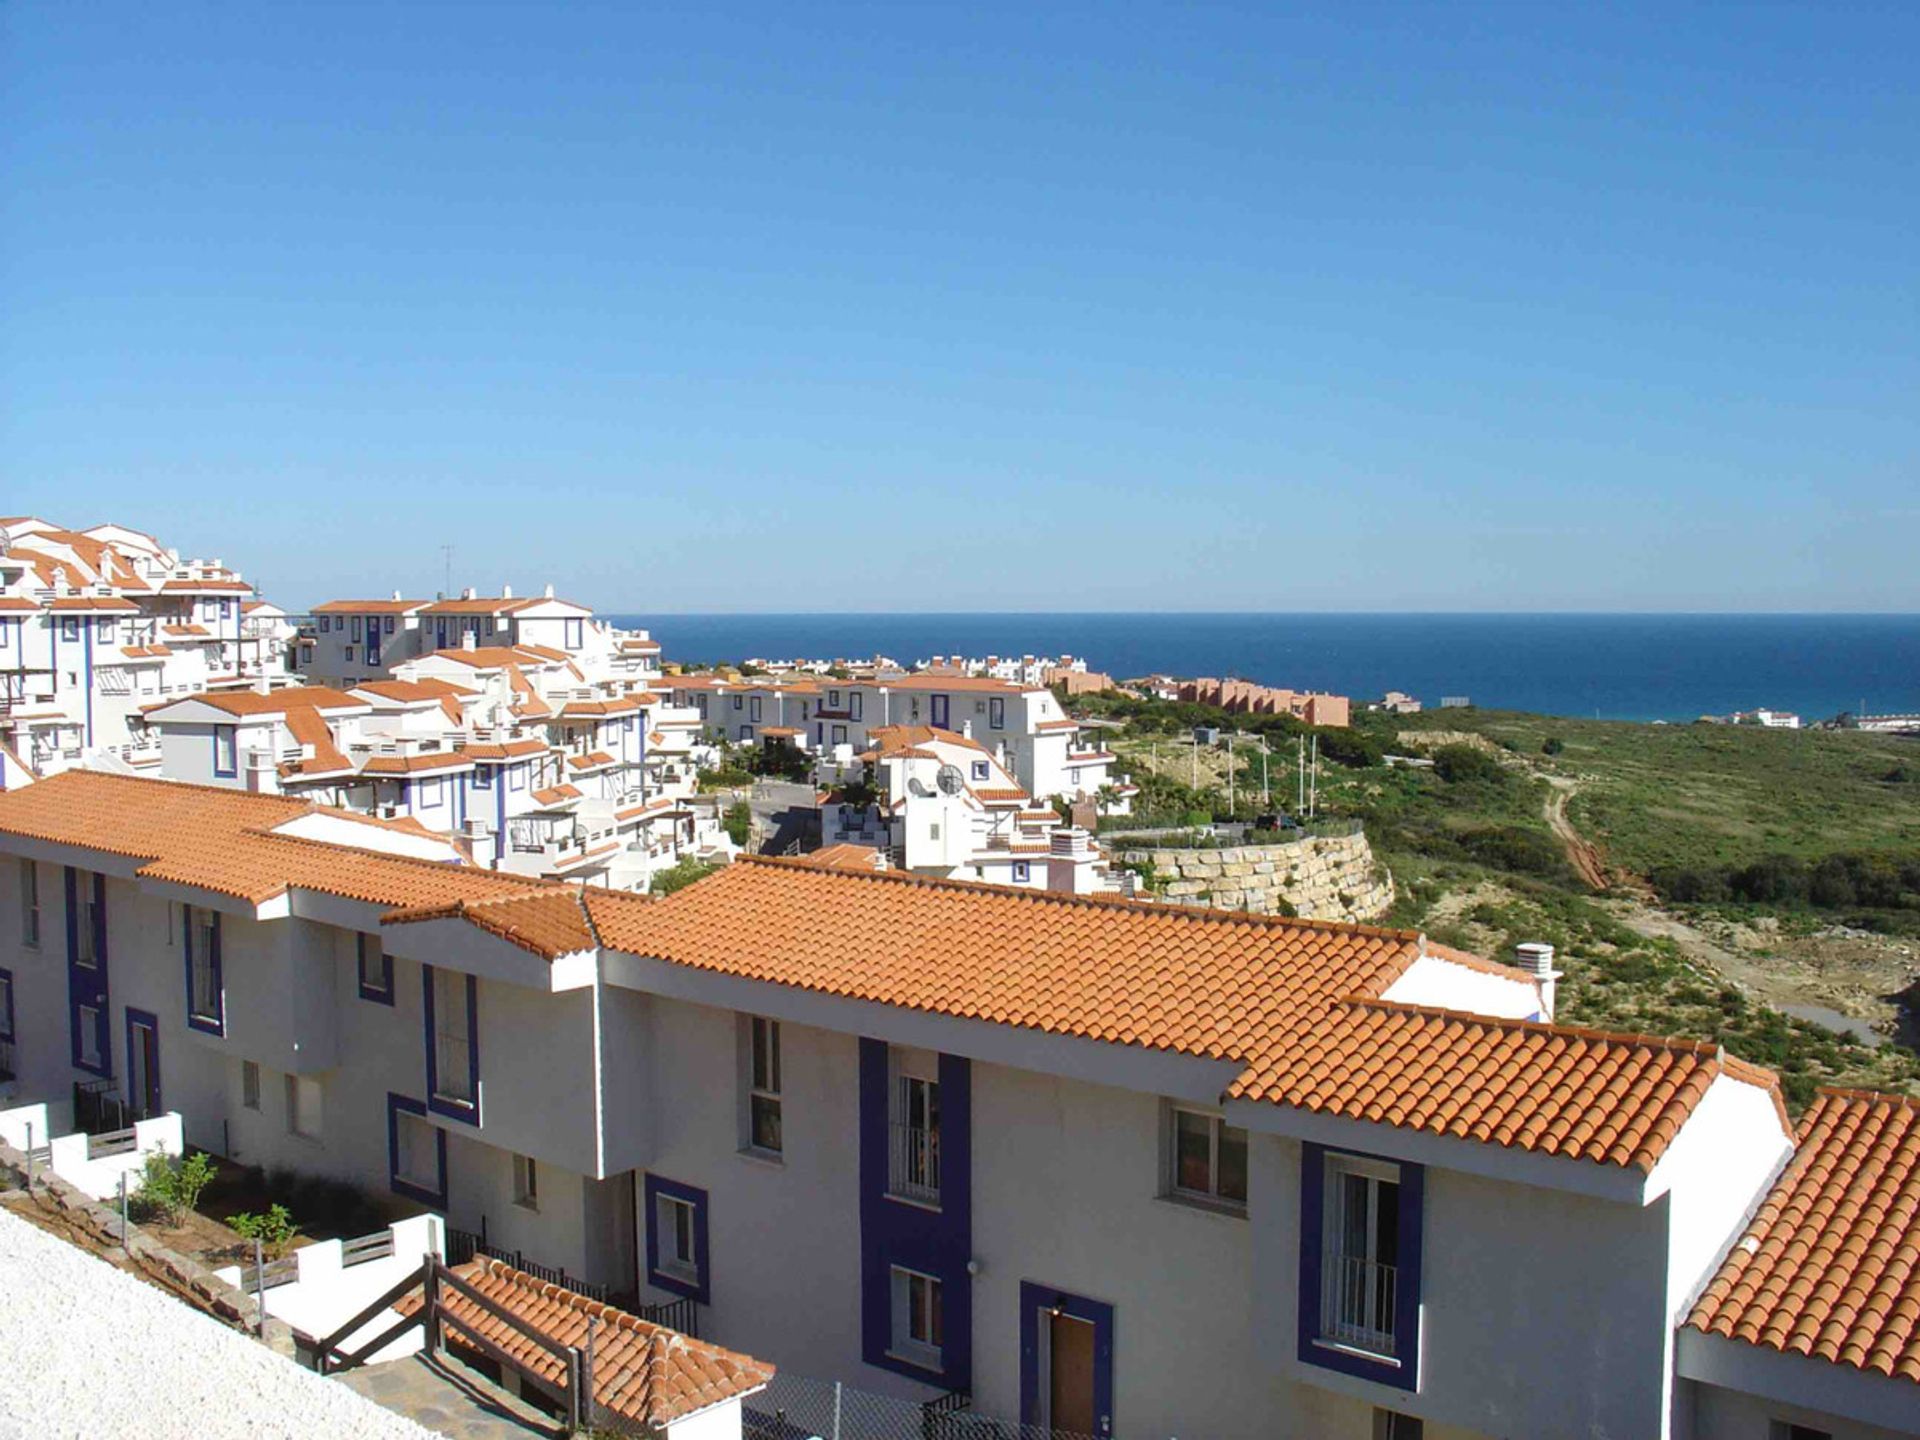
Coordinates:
<point>1112,1169</point>
<point>1022,725</point>
<point>941,805</point>
<point>96,625</point>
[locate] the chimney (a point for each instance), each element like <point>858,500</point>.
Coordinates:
<point>506,592</point>
<point>467,593</point>
<point>466,640</point>
<point>396,594</point>
<point>262,685</point>
<point>549,590</point>
<point>1536,958</point>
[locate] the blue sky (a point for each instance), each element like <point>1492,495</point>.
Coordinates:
<point>976,307</point>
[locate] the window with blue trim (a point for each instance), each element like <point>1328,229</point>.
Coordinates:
<point>206,995</point>
<point>69,627</point>
<point>416,1153</point>
<point>482,777</point>
<point>6,1005</point>
<point>453,1043</point>
<point>226,751</point>
<point>677,1259</point>
<point>431,794</point>
<point>376,969</point>
<point>1022,871</point>
<point>226,609</point>
<point>1360,1239</point>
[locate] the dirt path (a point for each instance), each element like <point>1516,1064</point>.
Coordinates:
<point>1582,854</point>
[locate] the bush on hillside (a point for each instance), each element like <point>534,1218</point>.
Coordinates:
<point>1467,765</point>
<point>684,872</point>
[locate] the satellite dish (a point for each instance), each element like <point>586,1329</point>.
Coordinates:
<point>950,781</point>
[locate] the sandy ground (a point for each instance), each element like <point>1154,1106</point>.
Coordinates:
<point>87,1351</point>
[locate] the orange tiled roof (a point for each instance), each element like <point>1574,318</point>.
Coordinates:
<point>93,602</point>
<point>417,764</point>
<point>414,690</point>
<point>591,761</point>
<point>483,606</point>
<point>549,923</point>
<point>368,607</point>
<point>220,840</point>
<point>1294,1002</point>
<point>555,794</point>
<point>1829,1267</point>
<point>294,697</point>
<point>506,750</point>
<point>306,727</point>
<point>846,856</point>
<point>643,1373</point>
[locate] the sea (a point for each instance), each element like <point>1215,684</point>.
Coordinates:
<point>1618,667</point>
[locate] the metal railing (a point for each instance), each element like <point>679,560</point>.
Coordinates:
<point>1357,1303</point>
<point>464,1245</point>
<point>97,1107</point>
<point>682,1315</point>
<point>270,1274</point>
<point>913,1163</point>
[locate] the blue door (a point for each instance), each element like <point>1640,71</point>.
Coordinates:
<point>143,1063</point>
<point>373,640</point>
<point>940,712</point>
<point>87,972</point>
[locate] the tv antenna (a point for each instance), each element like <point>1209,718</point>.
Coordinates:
<point>446,553</point>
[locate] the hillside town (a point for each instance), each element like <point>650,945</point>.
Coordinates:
<point>463,906</point>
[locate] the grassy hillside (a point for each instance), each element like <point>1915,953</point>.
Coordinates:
<point>1478,864</point>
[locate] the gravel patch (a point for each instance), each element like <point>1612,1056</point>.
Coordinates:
<point>87,1350</point>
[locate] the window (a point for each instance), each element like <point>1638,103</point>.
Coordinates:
<point>86,934</point>
<point>1209,1158</point>
<point>1392,1425</point>
<point>981,770</point>
<point>997,713</point>
<point>226,756</point>
<point>516,777</point>
<point>482,778</point>
<point>677,1238</point>
<point>833,699</point>
<point>763,1085</point>
<point>250,1084</point>
<point>913,1170</point>
<point>106,627</point>
<point>6,1005</point>
<point>69,628</point>
<point>839,734</point>
<point>30,904</point>
<point>349,654</point>
<point>1361,1254</point>
<point>6,634</point>
<point>303,1106</point>
<point>356,627</point>
<point>854,705</point>
<point>431,797</point>
<point>375,968</point>
<point>452,1064</point>
<point>206,997</point>
<point>90,1057</point>
<point>737,702</point>
<point>226,609</point>
<point>387,625</point>
<point>326,624</point>
<point>746,732</point>
<point>416,1153</point>
<point>1022,872</point>
<point>917,1329</point>
<point>526,1182</point>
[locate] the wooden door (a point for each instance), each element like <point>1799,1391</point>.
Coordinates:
<point>1070,1375</point>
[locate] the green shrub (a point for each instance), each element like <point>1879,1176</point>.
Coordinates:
<point>171,1187</point>
<point>1466,765</point>
<point>1552,745</point>
<point>274,1228</point>
<point>738,823</point>
<point>681,874</point>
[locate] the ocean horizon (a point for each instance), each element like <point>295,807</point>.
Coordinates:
<point>1609,666</point>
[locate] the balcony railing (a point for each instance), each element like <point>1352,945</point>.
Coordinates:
<point>1357,1303</point>
<point>913,1163</point>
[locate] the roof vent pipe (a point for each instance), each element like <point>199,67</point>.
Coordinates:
<point>1536,958</point>
<point>506,592</point>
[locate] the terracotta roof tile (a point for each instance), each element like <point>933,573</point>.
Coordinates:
<point>369,607</point>
<point>1829,1267</point>
<point>417,764</point>
<point>550,923</point>
<point>642,1373</point>
<point>846,856</point>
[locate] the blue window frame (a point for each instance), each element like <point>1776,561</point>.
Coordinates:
<point>388,625</point>
<point>226,751</point>
<point>416,1153</point>
<point>453,1043</point>
<point>981,770</point>
<point>6,1005</point>
<point>375,969</point>
<point>482,777</point>
<point>69,627</point>
<point>431,794</point>
<point>206,990</point>
<point>1360,1257</point>
<point>1022,871</point>
<point>575,634</point>
<point>6,634</point>
<point>677,1256</point>
<point>997,713</point>
<point>226,609</point>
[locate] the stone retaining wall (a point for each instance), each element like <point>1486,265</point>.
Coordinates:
<point>1331,877</point>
